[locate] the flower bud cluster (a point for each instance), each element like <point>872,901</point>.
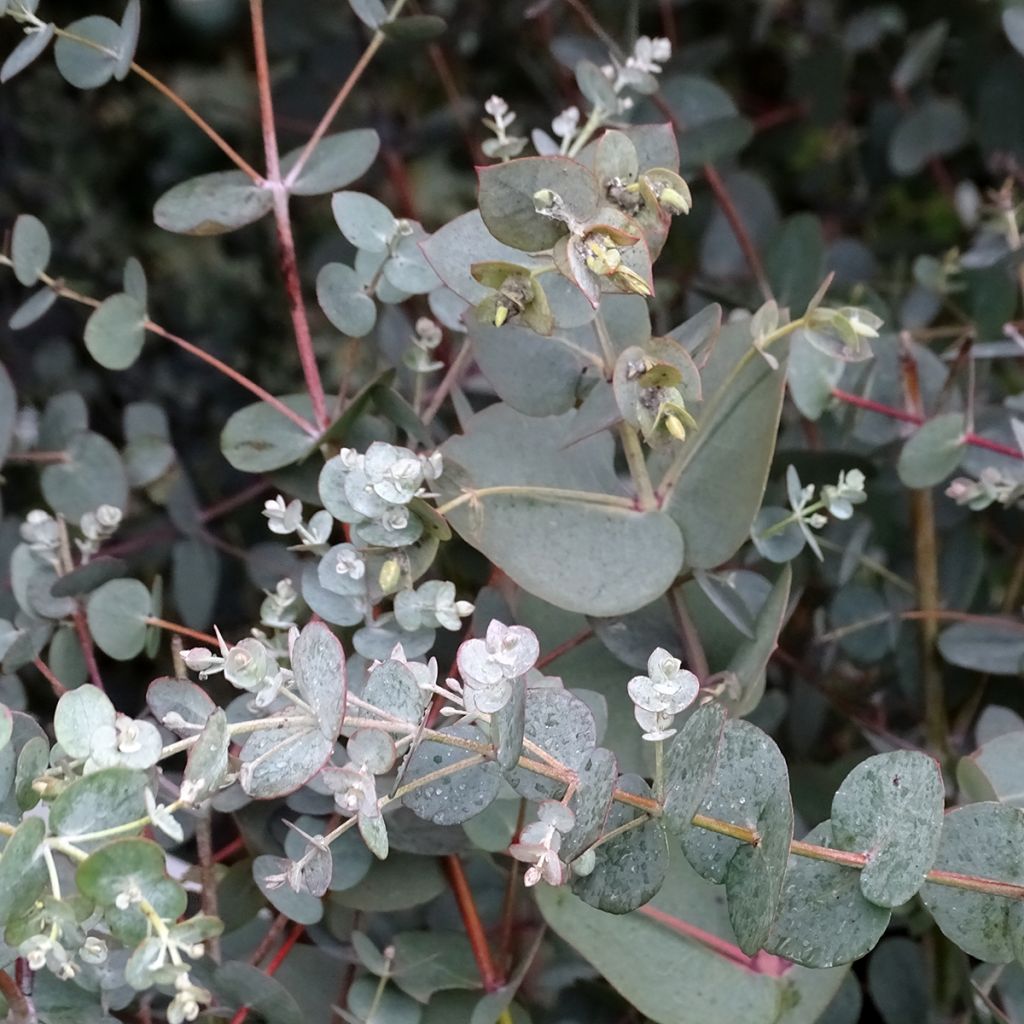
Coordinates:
<point>663,693</point>
<point>540,842</point>
<point>431,605</point>
<point>285,517</point>
<point>249,665</point>
<point>490,667</point>
<point>993,487</point>
<point>376,489</point>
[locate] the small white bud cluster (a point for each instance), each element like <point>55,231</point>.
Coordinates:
<point>993,487</point>
<point>540,842</point>
<point>285,518</point>
<point>249,665</point>
<point>41,532</point>
<point>663,693</point>
<point>280,606</point>
<point>491,667</point>
<point>97,528</point>
<point>503,146</point>
<point>419,356</point>
<point>377,488</point>
<point>431,605</point>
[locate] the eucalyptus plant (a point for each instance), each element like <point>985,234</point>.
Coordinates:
<point>587,718</point>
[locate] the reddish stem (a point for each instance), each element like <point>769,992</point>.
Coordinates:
<point>761,964</point>
<point>909,417</point>
<point>88,650</point>
<point>176,627</point>
<point>237,845</point>
<point>233,374</point>
<point>728,207</point>
<point>282,220</point>
<point>47,673</point>
<point>565,646</point>
<point>471,920</point>
<point>294,935</point>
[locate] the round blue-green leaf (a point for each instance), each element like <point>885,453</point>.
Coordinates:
<point>258,438</point>
<point>993,771</point>
<point>737,422</point>
<point>89,66</point>
<point>936,128</point>
<point>508,207</point>
<point>169,696</point>
<point>824,919</point>
<point>115,332</point>
<point>8,412</point>
<point>301,907</point>
<point>30,248</point>
<point>212,204</point>
<point>561,724</point>
<point>336,162</point>
<point>131,22</point>
<point>996,647</point>
<point>22,872</point>
<point>408,269</point>
<point>87,577</point>
<point>124,865</point>
<point>105,799</point>
<point>340,294</point>
<point>117,614</point>
<point>593,552</point>
<point>239,984</point>
<point>591,802</point>
<point>630,868</point>
<point>25,52</point>
<point>366,222</point>
<point>318,662</point>
<point>890,807</point>
<point>277,761</point>
<point>398,883</point>
<point>934,451</point>
<point>690,763</point>
<point>980,839</point>
<point>32,309</point>
<point>454,798</point>
<point>898,982</point>
<point>79,714</point>
<point>92,475</point>
<point>208,759</point>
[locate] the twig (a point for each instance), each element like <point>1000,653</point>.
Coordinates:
<point>88,649</point>
<point>279,957</point>
<point>175,627</point>
<point>471,920</point>
<point>974,440</point>
<point>336,104</point>
<point>47,673</point>
<point>282,221</point>
<point>207,876</point>
<point>696,659</point>
<point>225,147</point>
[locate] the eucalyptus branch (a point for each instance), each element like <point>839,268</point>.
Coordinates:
<point>152,327</point>
<point>168,93</point>
<point>343,93</point>
<point>282,220</point>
